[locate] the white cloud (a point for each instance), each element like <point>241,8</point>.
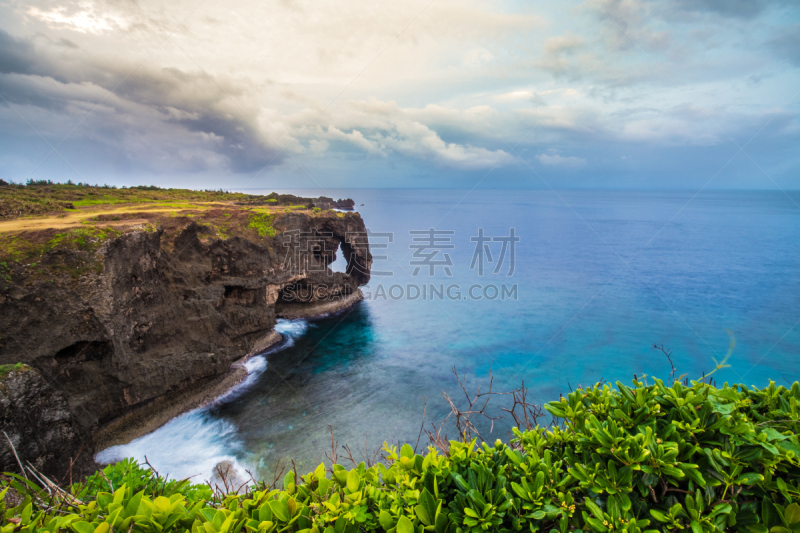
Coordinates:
<point>355,138</point>
<point>381,128</point>
<point>556,160</point>
<point>417,140</point>
<point>454,83</point>
<point>318,147</point>
<point>82,18</point>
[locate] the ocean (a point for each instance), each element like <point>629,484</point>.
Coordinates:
<point>595,279</point>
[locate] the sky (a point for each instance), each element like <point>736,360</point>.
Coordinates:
<point>430,93</point>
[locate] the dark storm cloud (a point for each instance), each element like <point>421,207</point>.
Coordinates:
<point>195,112</point>
<point>16,55</point>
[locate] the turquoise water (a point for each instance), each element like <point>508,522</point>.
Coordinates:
<point>601,276</point>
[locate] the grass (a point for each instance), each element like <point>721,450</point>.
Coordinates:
<point>40,197</point>
<point>37,198</point>
<point>7,369</point>
<point>43,217</point>
<point>262,223</point>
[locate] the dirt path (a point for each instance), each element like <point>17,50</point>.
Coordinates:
<point>71,219</point>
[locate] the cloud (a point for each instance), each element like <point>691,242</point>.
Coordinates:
<point>135,105</point>
<point>559,53</point>
<point>556,160</point>
<point>356,138</point>
<point>417,140</point>
<point>83,18</point>
<point>443,88</point>
<point>16,55</point>
<point>786,44</point>
<point>382,128</point>
<point>729,8</point>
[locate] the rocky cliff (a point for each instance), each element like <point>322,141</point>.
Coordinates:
<point>39,426</point>
<point>168,313</point>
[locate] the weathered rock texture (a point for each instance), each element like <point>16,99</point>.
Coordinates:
<point>37,421</point>
<point>169,314</point>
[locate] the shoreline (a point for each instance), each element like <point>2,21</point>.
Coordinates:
<point>159,411</point>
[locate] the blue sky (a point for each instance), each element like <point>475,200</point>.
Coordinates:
<point>442,93</point>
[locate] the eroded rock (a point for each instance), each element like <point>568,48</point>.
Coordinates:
<point>171,313</point>
<point>37,420</point>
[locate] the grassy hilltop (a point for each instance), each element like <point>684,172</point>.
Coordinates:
<point>42,216</point>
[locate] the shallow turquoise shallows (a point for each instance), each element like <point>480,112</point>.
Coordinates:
<point>600,277</point>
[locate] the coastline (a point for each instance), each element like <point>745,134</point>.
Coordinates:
<point>294,311</point>
<point>150,417</point>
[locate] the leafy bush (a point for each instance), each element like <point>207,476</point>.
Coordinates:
<point>128,472</point>
<point>262,223</point>
<point>650,457</point>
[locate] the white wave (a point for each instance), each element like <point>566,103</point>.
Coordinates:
<point>195,442</point>
<point>256,365</point>
<point>190,445</point>
<point>291,328</point>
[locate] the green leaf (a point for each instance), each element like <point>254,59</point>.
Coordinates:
<point>460,482</point>
<point>353,480</point>
<point>423,515</point>
<point>279,510</point>
<point>82,527</point>
<point>749,479</point>
<point>792,514</point>
<point>320,472</point>
<point>722,408</point>
<point>692,473</point>
<point>386,520</point>
<point>428,503</point>
<point>789,446</point>
<point>407,451</point>
<point>404,525</point>
<point>265,513</point>
<point>594,508</point>
<point>773,434</point>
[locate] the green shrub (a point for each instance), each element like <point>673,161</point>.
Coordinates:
<point>262,223</point>
<point>640,458</point>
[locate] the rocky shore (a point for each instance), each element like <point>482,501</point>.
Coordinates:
<point>161,326</point>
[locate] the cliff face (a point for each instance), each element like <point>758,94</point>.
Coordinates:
<point>169,314</point>
<point>51,439</point>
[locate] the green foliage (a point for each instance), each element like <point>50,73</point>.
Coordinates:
<point>136,478</point>
<point>87,239</point>
<point>5,272</point>
<point>262,223</point>
<point>39,197</point>
<point>7,369</point>
<point>636,459</point>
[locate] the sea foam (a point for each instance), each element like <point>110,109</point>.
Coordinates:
<point>191,445</point>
